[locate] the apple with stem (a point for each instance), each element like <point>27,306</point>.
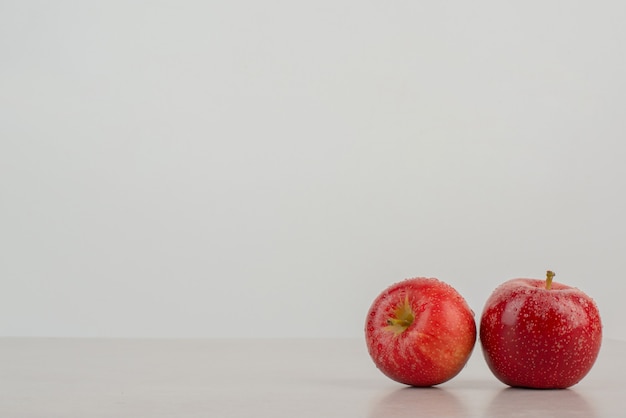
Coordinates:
<point>420,332</point>
<point>540,333</point>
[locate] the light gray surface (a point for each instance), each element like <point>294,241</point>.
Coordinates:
<point>268,378</point>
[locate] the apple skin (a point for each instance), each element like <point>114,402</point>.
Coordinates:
<point>432,337</point>
<point>540,338</point>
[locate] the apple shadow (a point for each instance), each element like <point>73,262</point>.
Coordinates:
<point>419,402</point>
<point>517,402</point>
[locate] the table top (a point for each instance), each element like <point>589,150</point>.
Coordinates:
<point>43,377</point>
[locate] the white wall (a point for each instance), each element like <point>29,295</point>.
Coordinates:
<point>247,168</point>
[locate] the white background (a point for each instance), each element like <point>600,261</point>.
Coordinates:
<point>265,168</point>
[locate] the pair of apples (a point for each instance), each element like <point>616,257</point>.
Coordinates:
<point>534,333</point>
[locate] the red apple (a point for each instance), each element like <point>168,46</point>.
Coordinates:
<point>539,333</point>
<point>420,332</point>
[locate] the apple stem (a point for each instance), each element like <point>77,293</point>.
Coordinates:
<point>549,276</point>
<point>399,322</point>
